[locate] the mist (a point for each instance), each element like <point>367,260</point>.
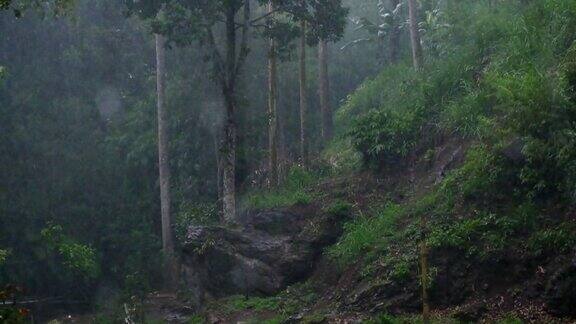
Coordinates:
<point>298,161</point>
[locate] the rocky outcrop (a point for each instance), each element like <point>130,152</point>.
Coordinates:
<point>265,253</point>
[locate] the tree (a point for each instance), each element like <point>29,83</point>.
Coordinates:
<point>415,35</point>
<point>324,92</point>
<point>303,98</point>
<point>394,31</point>
<point>328,27</point>
<point>272,108</point>
<point>164,159</point>
<point>387,28</point>
<point>55,7</point>
<point>190,21</point>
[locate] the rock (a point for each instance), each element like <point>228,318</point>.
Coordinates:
<point>266,253</point>
<point>560,291</point>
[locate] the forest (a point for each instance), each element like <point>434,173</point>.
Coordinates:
<point>288,161</point>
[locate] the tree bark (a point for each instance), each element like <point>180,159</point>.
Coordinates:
<point>303,98</point>
<point>218,160</point>
<point>164,158</point>
<point>229,92</point>
<point>272,111</point>
<point>229,163</point>
<point>394,35</point>
<point>324,92</point>
<point>415,35</point>
<point>164,170</point>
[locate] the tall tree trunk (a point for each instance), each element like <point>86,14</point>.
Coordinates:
<point>229,92</point>
<point>272,111</point>
<point>163,158</point>
<point>218,160</point>
<point>324,92</point>
<point>229,163</point>
<point>415,35</point>
<point>394,35</point>
<point>282,147</point>
<point>303,98</point>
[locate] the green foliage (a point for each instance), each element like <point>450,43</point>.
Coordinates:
<point>4,254</point>
<point>339,208</point>
<point>477,177</point>
<point>79,259</point>
<point>285,304</point>
<point>504,80</point>
<point>197,319</point>
<point>198,214</point>
<point>366,235</point>
<point>342,157</point>
<point>294,191</point>
<point>556,239</point>
<point>254,303</point>
<point>488,77</point>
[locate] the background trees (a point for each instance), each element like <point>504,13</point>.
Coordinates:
<point>198,21</point>
<point>81,153</point>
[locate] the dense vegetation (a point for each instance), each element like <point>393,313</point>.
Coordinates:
<point>504,84</point>
<point>79,187</point>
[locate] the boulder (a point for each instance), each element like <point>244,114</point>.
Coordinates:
<point>264,254</point>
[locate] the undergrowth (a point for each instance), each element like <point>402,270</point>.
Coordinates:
<point>293,191</point>
<point>503,81</point>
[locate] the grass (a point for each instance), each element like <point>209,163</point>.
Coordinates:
<point>285,304</point>
<point>295,190</point>
<point>366,235</point>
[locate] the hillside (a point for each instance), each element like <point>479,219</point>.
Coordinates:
<point>474,155</point>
